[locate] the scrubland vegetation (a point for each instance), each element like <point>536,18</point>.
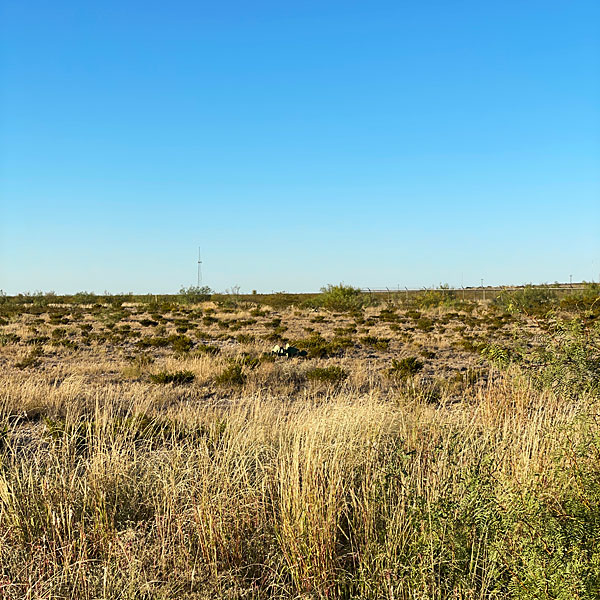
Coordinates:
<point>427,447</point>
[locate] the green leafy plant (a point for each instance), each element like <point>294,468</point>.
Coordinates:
<point>232,375</point>
<point>31,360</point>
<point>375,342</point>
<point>530,299</point>
<point>317,346</point>
<point>342,298</point>
<point>332,374</point>
<point>405,367</point>
<point>194,294</point>
<point>178,378</point>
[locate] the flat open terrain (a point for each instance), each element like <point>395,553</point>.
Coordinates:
<point>431,448</point>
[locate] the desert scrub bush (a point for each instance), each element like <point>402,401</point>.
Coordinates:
<point>424,324</point>
<point>530,300</point>
<point>443,296</point>
<point>138,365</point>
<point>469,344</point>
<point>319,319</point>
<point>203,335</point>
<point>194,294</point>
<point>587,299</point>
<point>245,338</point>
<point>38,340</point>
<point>59,333</point>
<point>178,377</point>
<point>317,346</point>
<point>415,315</point>
<point>179,343</point>
<point>31,360</point>
<point>347,330</point>
<point>247,322</point>
<point>331,375</point>
<point>375,342</point>
<point>231,375</point>
<point>207,349</point>
<point>404,368</point>
<point>246,359</point>
<point>500,356</point>
<point>569,360</point>
<point>275,338</point>
<point>274,323</point>
<point>342,298</point>
<point>388,315</point>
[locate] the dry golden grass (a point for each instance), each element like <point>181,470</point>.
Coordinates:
<point>112,486</point>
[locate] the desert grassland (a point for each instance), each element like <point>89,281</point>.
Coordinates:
<point>271,483</point>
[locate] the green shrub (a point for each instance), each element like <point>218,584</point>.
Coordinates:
<point>194,294</point>
<point>9,338</point>
<point>375,342</point>
<point>207,349</point>
<point>31,360</point>
<point>469,344</point>
<point>275,323</point>
<point>317,346</point>
<point>425,324</point>
<point>232,375</point>
<point>530,300</point>
<point>331,374</point>
<point>248,360</point>
<point>342,298</point>
<point>405,367</point>
<point>440,297</point>
<point>181,343</point>
<point>388,315</point>
<point>148,322</point>
<point>178,378</point>
<point>587,299</point>
<point>245,338</point>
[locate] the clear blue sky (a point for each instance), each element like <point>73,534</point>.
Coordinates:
<point>298,143</point>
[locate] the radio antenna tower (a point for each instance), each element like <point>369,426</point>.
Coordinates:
<point>199,268</point>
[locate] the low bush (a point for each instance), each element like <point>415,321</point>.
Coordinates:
<point>178,378</point>
<point>425,324</point>
<point>232,375</point>
<point>245,338</point>
<point>342,298</point>
<point>531,300</point>
<point>317,346</point>
<point>207,349</point>
<point>31,360</point>
<point>194,294</point>
<point>405,367</point>
<point>375,342</point>
<point>331,374</point>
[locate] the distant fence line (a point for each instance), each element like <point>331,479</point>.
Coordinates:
<point>472,293</point>
<point>565,288</point>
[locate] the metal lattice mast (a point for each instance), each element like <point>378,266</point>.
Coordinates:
<point>199,268</point>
